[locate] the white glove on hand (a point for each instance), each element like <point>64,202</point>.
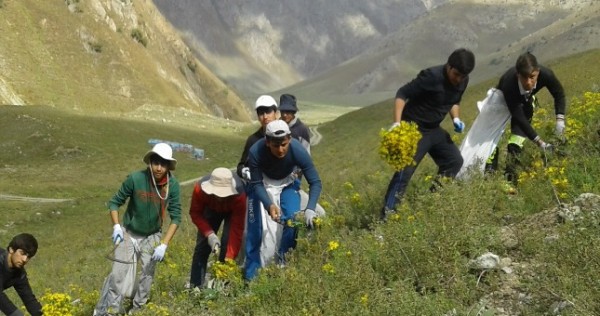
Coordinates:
<point>545,146</point>
<point>246,173</point>
<point>459,126</point>
<point>214,243</point>
<point>309,216</point>
<point>159,252</point>
<point>394,126</point>
<point>560,125</point>
<point>117,235</point>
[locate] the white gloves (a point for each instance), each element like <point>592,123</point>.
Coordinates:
<point>560,125</point>
<point>543,145</point>
<point>309,216</point>
<point>459,126</point>
<point>394,126</point>
<point>117,235</point>
<point>246,173</point>
<point>214,242</point>
<point>159,252</point>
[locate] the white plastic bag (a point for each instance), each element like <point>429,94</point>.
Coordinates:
<point>484,135</point>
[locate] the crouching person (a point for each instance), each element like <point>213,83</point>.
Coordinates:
<point>150,192</point>
<point>217,199</point>
<point>12,274</point>
<point>273,163</point>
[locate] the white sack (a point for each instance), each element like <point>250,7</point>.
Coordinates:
<point>484,135</point>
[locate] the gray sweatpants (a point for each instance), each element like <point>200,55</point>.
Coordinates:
<point>121,282</point>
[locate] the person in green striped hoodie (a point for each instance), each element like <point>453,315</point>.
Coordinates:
<point>151,192</point>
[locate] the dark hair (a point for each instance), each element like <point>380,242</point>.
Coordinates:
<point>526,64</point>
<point>462,60</point>
<point>157,159</point>
<point>278,140</point>
<point>25,242</point>
<point>265,109</point>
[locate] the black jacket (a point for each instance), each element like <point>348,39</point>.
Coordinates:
<point>429,97</point>
<point>259,134</point>
<point>521,107</point>
<point>16,278</point>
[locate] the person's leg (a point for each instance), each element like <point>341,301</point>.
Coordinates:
<point>119,281</point>
<point>253,237</point>
<point>290,206</point>
<point>491,165</point>
<point>445,154</point>
<point>202,250</point>
<point>513,159</point>
<point>146,246</point>
<point>400,179</point>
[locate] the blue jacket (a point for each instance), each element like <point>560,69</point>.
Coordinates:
<point>261,161</point>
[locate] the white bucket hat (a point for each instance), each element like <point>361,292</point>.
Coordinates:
<point>164,151</point>
<point>220,183</point>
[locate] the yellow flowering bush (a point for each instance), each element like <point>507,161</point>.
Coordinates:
<point>227,270</point>
<point>56,304</point>
<point>399,145</point>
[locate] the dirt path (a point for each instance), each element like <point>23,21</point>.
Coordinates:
<point>31,199</point>
<point>315,137</point>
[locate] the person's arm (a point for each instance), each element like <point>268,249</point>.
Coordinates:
<point>556,90</point>
<point>236,226</point>
<point>413,89</point>
<point>256,182</point>
<point>6,305</point>
<point>197,207</point>
<point>174,209</point>
<point>309,171</point>
<point>398,108</point>
<point>170,233</point>
<point>244,158</point>
<point>24,291</point>
<point>114,217</point>
<point>124,192</point>
<point>455,111</point>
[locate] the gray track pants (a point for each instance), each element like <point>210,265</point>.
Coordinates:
<point>121,282</point>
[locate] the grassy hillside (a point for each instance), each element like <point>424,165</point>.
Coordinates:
<point>418,263</point>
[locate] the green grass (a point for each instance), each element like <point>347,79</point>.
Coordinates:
<point>417,263</point>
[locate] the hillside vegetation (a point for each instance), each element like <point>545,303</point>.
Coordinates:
<point>420,262</point>
<point>104,57</point>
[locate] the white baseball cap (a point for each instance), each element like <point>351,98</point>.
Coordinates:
<point>277,129</point>
<point>265,101</point>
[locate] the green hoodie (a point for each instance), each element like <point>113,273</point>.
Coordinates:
<point>143,214</point>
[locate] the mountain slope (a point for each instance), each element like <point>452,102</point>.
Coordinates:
<point>103,57</point>
<point>353,53</point>
<point>264,45</point>
<point>497,35</point>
